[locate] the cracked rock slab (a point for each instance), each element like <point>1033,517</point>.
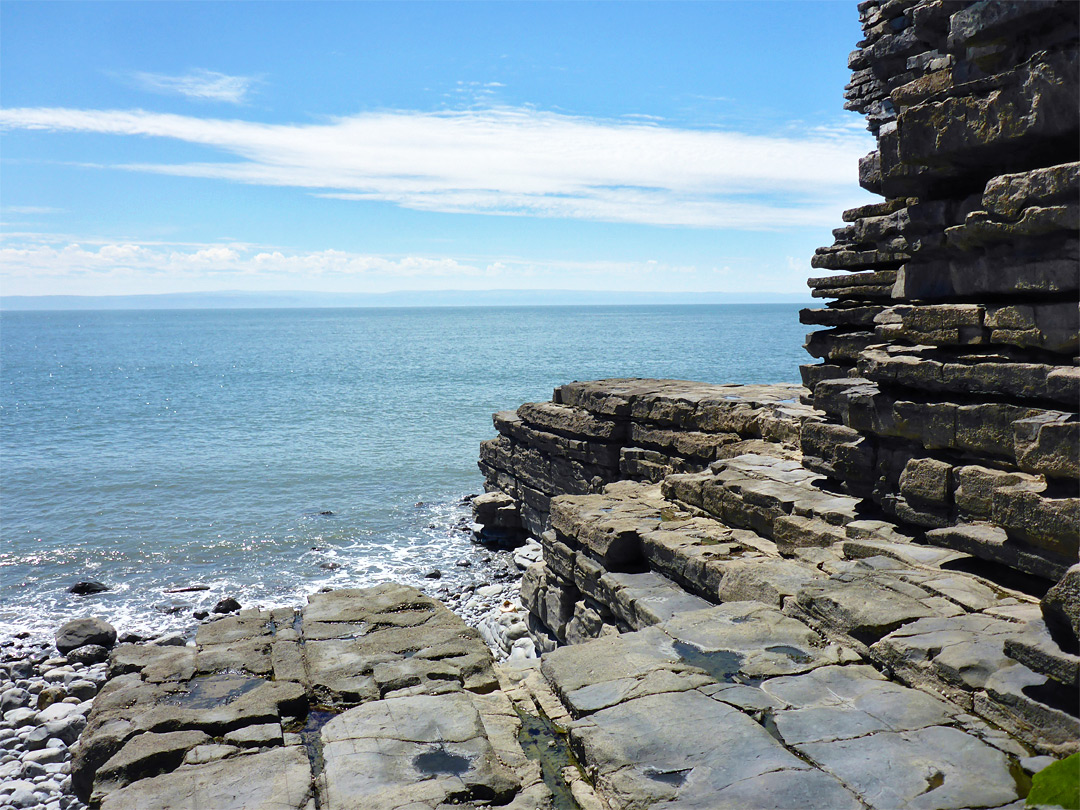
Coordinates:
<point>279,779</point>
<point>834,703</point>
<point>681,748</point>
<point>412,752</point>
<point>935,768</point>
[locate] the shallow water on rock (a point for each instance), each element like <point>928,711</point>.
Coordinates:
<point>541,741</point>
<point>440,762</point>
<point>210,691</point>
<point>720,664</point>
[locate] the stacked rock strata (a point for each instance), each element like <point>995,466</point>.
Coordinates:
<point>949,372</point>
<point>924,517</point>
<point>762,527</point>
<point>594,433</point>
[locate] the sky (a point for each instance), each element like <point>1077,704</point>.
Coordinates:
<point>154,147</point>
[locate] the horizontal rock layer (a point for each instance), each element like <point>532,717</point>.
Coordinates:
<point>594,433</point>
<point>772,528</point>
<point>920,521</point>
<point>949,376</point>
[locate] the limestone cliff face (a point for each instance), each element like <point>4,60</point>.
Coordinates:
<point>949,366</point>
<point>915,503</point>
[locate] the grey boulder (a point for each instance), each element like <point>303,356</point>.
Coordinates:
<point>80,632</point>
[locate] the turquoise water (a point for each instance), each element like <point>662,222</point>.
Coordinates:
<point>151,450</point>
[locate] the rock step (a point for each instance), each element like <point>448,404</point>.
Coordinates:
<point>777,498</point>
<point>593,434</point>
<point>866,584</point>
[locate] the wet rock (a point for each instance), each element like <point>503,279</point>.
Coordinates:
<point>227,605</point>
<point>88,654</point>
<point>87,587</point>
<point>433,573</point>
<point>80,632</point>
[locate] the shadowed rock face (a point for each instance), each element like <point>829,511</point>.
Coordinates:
<point>962,398</point>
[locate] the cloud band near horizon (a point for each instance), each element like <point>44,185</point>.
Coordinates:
<point>512,162</point>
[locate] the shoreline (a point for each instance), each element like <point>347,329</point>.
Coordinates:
<point>35,676</point>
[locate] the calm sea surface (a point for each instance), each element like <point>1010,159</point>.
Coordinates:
<point>151,450</point>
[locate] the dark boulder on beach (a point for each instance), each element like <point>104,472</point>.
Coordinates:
<point>80,632</point>
<point>227,605</point>
<point>88,654</point>
<point>88,587</point>
<point>434,573</point>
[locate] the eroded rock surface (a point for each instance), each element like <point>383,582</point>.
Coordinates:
<point>369,698</point>
<point>917,505</point>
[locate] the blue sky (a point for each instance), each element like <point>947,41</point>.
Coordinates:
<point>367,147</point>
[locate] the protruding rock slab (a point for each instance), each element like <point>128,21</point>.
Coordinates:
<point>279,779</point>
<point>357,640</point>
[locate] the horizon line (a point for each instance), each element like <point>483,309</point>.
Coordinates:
<point>314,299</point>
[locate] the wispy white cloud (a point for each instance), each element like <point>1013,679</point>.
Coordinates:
<point>44,263</point>
<point>515,161</point>
<point>201,85</point>
<point>32,209</point>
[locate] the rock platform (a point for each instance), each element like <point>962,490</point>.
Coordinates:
<point>382,698</point>
<point>364,699</point>
<point>909,515</point>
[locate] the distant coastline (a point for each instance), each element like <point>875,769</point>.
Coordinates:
<point>236,299</point>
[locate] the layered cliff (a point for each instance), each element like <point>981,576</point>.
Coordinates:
<point>948,371</point>
<point>914,505</point>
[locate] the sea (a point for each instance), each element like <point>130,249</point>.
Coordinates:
<point>265,454</point>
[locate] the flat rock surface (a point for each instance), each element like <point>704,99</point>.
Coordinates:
<point>279,779</point>
<point>741,706</point>
<point>419,751</point>
<point>408,714</point>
